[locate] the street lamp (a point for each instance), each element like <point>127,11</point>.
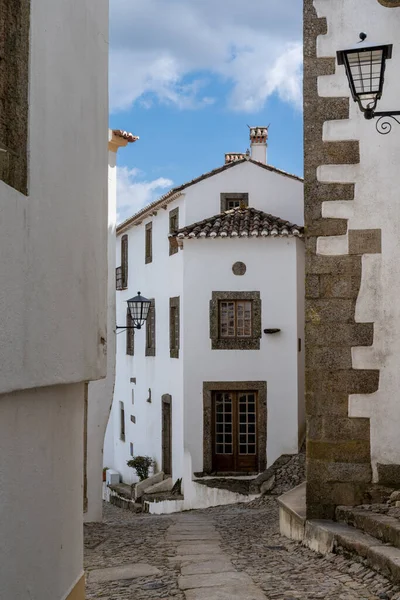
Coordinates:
<point>365,70</point>
<point>138,309</point>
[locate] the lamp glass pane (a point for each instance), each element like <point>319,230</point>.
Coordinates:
<point>365,71</point>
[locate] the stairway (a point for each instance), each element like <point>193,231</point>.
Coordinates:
<point>137,496</point>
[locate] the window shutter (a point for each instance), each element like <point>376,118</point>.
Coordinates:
<point>174,327</point>
<point>149,243</point>
<point>124,261</point>
<point>151,330</point>
<point>130,335</point>
<point>173,228</point>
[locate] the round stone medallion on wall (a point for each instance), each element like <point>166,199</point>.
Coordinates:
<point>239,268</point>
<point>389,3</point>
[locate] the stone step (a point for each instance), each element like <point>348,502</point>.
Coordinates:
<point>328,536</point>
<point>381,526</point>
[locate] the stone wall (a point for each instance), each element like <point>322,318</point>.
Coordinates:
<point>338,447</point>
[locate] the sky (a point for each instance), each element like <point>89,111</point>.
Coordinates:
<point>188,76</point>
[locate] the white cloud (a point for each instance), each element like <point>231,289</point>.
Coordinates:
<point>158,48</point>
<point>132,195</point>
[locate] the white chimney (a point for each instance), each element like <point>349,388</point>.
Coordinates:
<point>258,144</point>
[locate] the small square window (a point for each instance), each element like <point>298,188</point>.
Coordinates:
<point>234,200</point>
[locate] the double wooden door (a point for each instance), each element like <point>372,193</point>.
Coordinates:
<point>235,432</point>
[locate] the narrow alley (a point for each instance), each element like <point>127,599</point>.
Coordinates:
<point>225,553</point>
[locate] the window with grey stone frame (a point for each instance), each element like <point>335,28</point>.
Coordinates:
<point>234,200</point>
<point>148,241</point>
<point>14,85</point>
<point>130,334</point>
<point>235,343</point>
<point>151,330</point>
<point>174,327</point>
<point>173,228</point>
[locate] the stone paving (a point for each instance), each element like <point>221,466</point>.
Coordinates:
<point>224,553</point>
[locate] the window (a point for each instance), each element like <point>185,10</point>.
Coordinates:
<point>130,334</point>
<point>121,422</point>
<point>149,243</point>
<point>235,320</point>
<point>14,78</point>
<point>124,262</point>
<point>234,200</point>
<point>173,228</point>
<point>131,449</point>
<point>174,327</point>
<point>118,278</point>
<point>151,330</point>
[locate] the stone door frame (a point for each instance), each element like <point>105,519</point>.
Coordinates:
<point>235,386</point>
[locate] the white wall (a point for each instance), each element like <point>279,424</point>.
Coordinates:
<point>277,194</point>
<point>54,242</point>
<point>41,495</point>
<point>376,206</point>
<point>53,300</point>
<point>271,270</point>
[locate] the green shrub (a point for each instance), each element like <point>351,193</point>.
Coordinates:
<point>141,464</point>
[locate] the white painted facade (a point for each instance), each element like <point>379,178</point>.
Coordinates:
<point>53,302</point>
<point>375,206</point>
<point>274,268</point>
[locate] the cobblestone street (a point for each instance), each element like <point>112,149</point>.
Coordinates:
<point>224,553</point>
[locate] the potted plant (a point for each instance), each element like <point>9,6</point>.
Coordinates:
<point>141,464</point>
<point>104,473</point>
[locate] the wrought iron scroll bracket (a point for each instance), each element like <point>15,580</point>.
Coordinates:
<point>383,124</point>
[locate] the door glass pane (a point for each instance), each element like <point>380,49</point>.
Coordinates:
<point>223,423</point>
<point>247,420</point>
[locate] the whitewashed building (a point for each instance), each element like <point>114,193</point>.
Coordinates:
<point>53,298</point>
<point>208,386</point>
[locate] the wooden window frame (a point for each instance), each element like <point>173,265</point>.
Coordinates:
<point>150,349</point>
<point>15,19</point>
<point>242,197</point>
<point>174,327</point>
<point>235,343</point>
<point>236,305</point>
<point>130,335</point>
<point>148,242</point>
<point>173,218</point>
<point>124,262</point>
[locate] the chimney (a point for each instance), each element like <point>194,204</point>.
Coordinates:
<point>258,143</point>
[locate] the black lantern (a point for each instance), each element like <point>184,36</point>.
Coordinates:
<point>138,309</point>
<point>365,70</point>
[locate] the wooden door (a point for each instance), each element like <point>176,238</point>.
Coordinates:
<point>235,432</point>
<point>166,435</point>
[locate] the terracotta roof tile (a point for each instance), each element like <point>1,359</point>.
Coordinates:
<point>240,222</point>
<point>172,194</point>
<point>126,135</point>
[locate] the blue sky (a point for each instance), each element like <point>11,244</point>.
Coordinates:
<point>187,76</point>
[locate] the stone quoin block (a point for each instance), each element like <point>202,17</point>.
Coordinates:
<point>367,241</point>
